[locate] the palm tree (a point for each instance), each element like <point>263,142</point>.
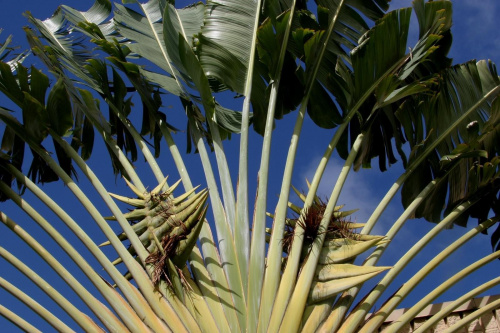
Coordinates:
<point>285,268</point>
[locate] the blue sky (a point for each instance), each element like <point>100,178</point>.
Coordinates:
<point>475,33</point>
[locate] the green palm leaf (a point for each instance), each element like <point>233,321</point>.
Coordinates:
<point>351,76</point>
<point>459,91</point>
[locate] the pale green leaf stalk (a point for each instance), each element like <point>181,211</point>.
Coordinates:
<point>139,304</point>
<point>217,278</point>
<point>309,317</point>
<point>359,314</point>
<point>104,314</point>
<point>250,257</point>
<point>198,307</point>
<point>258,234</point>
<point>35,306</point>
<point>224,175</point>
<point>409,211</point>
<point>226,242</point>
<point>473,316</point>
<point>420,275</point>
<point>456,303</point>
<point>327,155</point>
<point>208,248</point>
<point>176,155</point>
<point>188,323</point>
<point>226,245</point>
<point>162,309</point>
<point>80,318</point>
<point>200,80</point>
<point>91,246</point>
<point>18,321</point>
<point>346,300</point>
<point>207,291</point>
<point>336,316</point>
<point>293,315</point>
<point>125,313</point>
<point>273,271</point>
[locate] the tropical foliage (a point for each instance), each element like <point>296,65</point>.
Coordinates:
<point>290,267</point>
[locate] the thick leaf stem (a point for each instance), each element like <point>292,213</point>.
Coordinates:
<point>343,304</point>
<point>124,311</point>
<point>226,242</point>
<point>430,322</point>
<point>224,174</point>
<point>395,300</point>
<point>262,287</point>
<point>140,275</point>
<point>293,315</point>
<point>257,258</point>
<point>473,316</point>
<point>275,245</point>
<point>345,301</point>
<point>176,155</point>
<point>254,264</point>
<point>359,314</point>
<point>104,314</point>
<point>18,321</point>
<point>80,318</point>
<point>207,243</point>
<point>35,306</point>
<point>282,293</point>
<point>417,278</point>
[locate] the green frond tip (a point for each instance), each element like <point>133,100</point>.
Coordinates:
<point>342,250</point>
<point>129,201</point>
<point>168,227</point>
<point>342,244</point>
<point>134,189</point>
<point>342,279</point>
<point>345,213</point>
